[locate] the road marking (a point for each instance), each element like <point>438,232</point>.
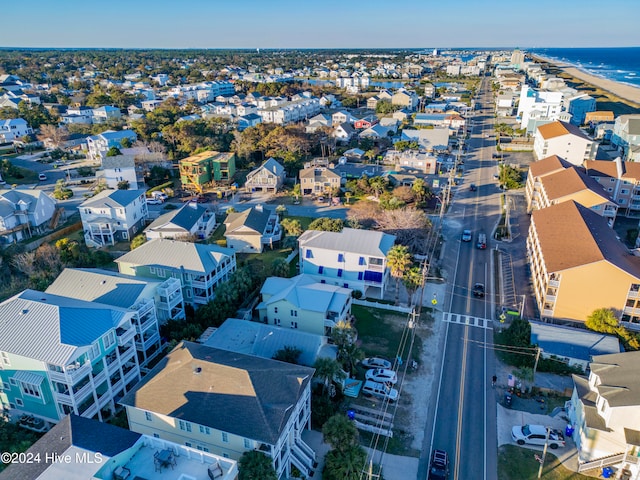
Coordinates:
<point>461,404</point>
<point>461,319</point>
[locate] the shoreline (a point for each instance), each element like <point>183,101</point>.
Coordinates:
<point>623,91</point>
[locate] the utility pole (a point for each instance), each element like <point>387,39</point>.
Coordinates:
<point>535,366</point>
<point>544,454</point>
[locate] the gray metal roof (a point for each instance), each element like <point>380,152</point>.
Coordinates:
<point>572,342</point>
<point>618,374</point>
<point>9,199</point>
<point>102,286</point>
<point>119,161</point>
<point>112,199</point>
<point>183,218</point>
<point>305,292</point>
<point>51,328</point>
<point>363,242</point>
<point>251,396</point>
<point>255,218</point>
<point>193,257</point>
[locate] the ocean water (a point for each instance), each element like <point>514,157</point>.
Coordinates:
<point>618,64</point>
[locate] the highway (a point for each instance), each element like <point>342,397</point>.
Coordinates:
<point>464,423</point>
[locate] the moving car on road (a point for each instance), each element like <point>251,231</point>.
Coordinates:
<point>42,176</point>
<point>439,466</point>
<point>478,290</point>
<point>375,362</point>
<point>482,241</point>
<point>382,375</point>
<point>537,435</point>
<point>466,236</point>
<point>473,187</point>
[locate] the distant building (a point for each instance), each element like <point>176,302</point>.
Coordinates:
<point>249,231</point>
<point>99,145</point>
<point>13,129</point>
<point>626,134</point>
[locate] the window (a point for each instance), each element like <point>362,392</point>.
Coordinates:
<point>12,405</point>
<point>294,313</point>
<point>108,340</point>
<point>375,261</point>
<point>5,358</point>
<point>188,444</point>
<point>320,269</point>
<point>201,448</point>
<point>225,455</point>
<point>95,351</point>
<point>205,430</point>
<point>247,443</point>
<point>13,381</point>
<point>308,254</point>
<point>345,285</point>
<point>184,426</point>
<point>340,257</point>
<point>294,324</point>
<point>147,415</point>
<point>161,273</point>
<point>6,386</point>
<point>152,270</point>
<point>155,435</point>
<point>275,309</point>
<point>30,389</point>
<point>339,272</point>
<point>225,437</point>
<point>361,261</point>
<point>19,402</point>
<point>360,275</point>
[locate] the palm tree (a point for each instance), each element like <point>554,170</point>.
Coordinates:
<point>345,465</point>
<point>412,280</point>
<point>327,370</point>
<point>350,354</point>
<point>418,189</point>
<point>296,192</point>
<point>398,261</point>
<point>378,185</point>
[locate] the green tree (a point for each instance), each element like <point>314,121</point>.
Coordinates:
<point>398,261</point>
<point>123,185</point>
<point>602,320</point>
<point>378,185</point>
<point>280,268</point>
<point>61,192</point>
<point>340,432</point>
<point>281,210</point>
<point>296,192</point>
<point>125,142</point>
<point>291,226</point>
<point>138,240</point>
<point>255,465</point>
<point>288,354</point>
<point>34,114</point>
<point>412,281</point>
<point>113,152</point>
<point>327,224</point>
<point>345,465</point>
<point>328,370</point>
<point>419,189</point>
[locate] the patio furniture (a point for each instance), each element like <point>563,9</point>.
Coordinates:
<point>121,473</point>
<point>215,471</point>
<point>165,458</point>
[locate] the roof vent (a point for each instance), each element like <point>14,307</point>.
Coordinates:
<point>103,282</point>
<point>197,370</point>
<point>24,312</point>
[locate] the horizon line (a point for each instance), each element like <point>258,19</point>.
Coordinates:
<point>307,48</point>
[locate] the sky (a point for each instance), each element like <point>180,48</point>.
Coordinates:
<point>319,24</point>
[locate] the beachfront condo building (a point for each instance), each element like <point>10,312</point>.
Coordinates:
<point>565,140</point>
<point>626,134</point>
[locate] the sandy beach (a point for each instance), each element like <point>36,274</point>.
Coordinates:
<point>624,92</point>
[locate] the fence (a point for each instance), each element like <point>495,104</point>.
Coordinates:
<point>383,306</point>
<point>63,232</point>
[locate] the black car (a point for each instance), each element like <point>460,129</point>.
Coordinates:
<point>439,466</point>
<point>473,187</point>
<point>478,290</point>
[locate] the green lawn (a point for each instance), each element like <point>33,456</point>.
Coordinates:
<point>304,221</point>
<point>266,257</point>
<point>517,463</point>
<point>23,176</point>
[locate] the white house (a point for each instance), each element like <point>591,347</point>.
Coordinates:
<point>106,113</point>
<point>565,140</point>
<point>99,144</point>
<point>268,177</point>
<point>545,104</point>
<point>113,216</point>
<point>12,129</point>
<point>189,221</point>
<point>120,168</point>
<point>353,258</point>
<point>23,213</point>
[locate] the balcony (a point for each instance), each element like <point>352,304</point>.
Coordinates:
<point>554,283</point>
<point>82,393</point>
<point>126,352</point>
<point>125,336</point>
<point>151,340</point>
<point>71,373</point>
<point>547,313</point>
<point>63,398</point>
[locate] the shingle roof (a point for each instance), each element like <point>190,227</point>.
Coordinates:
<point>319,174</point>
<point>548,165</point>
<point>193,257</point>
<point>571,235</point>
<point>112,199</point>
<point>572,342</point>
<point>50,328</point>
<point>571,181</point>
<point>253,219</point>
<point>250,396</point>
<point>72,430</point>
<point>607,168</point>
<point>618,375</point>
<point>102,286</point>
<point>183,218</point>
<point>366,242</point>
<point>558,128</point>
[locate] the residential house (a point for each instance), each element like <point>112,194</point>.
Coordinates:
<point>302,302</point>
<point>565,140</point>
<point>199,267</point>
<point>191,221</point>
<point>572,184</point>
<point>573,346</point>
<point>259,404</point>
<point>605,411</point>
<point>375,132</point>
<point>343,132</point>
<point>269,177</point>
<point>594,118</point>
<point>113,216</point>
<point>14,129</point>
<point>626,133</point>
<point>248,120</point>
<point>405,98</point>
<point>505,104</point>
<point>318,181</point>
<point>411,161</point>
<point>353,258</point>
<point>318,121</point>
<point>250,230</point>
<point>391,123</point>
<point>620,179</point>
<point>264,340</point>
<point>99,145</point>
<point>401,115</point>
<point>60,355</point>
<point>367,121</point>
<point>105,114</point>
<point>79,447</point>
<point>24,213</point>
<point>152,301</point>
<point>569,245</point>
<point>342,116</point>
<point>432,140</point>
<point>74,141</point>
<point>205,168</point>
<point>120,168</point>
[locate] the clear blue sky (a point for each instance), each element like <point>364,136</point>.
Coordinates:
<point>319,24</point>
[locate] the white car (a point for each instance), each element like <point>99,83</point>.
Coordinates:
<point>154,201</point>
<point>536,435</point>
<point>380,390</point>
<point>382,375</point>
<point>375,362</point>
<point>466,236</point>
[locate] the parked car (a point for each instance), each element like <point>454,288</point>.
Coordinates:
<point>478,290</point>
<point>382,375</point>
<point>537,435</point>
<point>161,195</point>
<point>466,235</point>
<point>375,362</point>
<point>439,466</point>
<point>154,201</point>
<point>42,176</point>
<point>380,390</point>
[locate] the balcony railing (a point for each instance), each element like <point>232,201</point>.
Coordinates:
<point>125,336</point>
<point>71,373</point>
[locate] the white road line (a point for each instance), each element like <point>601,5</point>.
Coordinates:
<point>461,319</point>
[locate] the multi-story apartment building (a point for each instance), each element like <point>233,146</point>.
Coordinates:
<point>318,181</point>
<point>565,140</point>
<point>198,267</point>
<point>539,169</point>
<point>353,258</point>
<point>578,265</point>
<point>287,112</point>
<point>570,184</point>
<point>112,216</point>
<point>227,403</point>
<point>544,105</point>
<point>621,180</point>
<point>303,303</point>
<point>59,355</point>
<point>626,134</point>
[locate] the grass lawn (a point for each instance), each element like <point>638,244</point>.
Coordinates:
<point>266,257</point>
<point>218,234</point>
<point>27,176</point>
<point>516,463</point>
<point>304,221</point>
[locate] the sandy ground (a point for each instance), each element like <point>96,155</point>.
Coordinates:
<point>625,92</point>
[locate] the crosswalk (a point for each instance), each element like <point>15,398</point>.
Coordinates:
<point>467,320</point>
